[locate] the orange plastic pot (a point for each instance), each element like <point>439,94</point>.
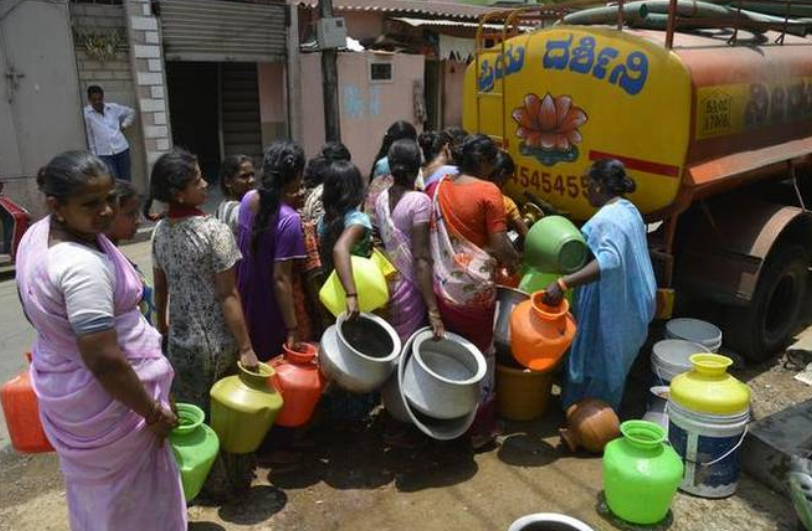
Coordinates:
<point>301,383</point>
<point>541,334</point>
<point>21,409</point>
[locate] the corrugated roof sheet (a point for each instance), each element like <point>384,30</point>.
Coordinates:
<point>424,7</point>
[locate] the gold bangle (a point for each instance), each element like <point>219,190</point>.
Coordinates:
<point>562,284</point>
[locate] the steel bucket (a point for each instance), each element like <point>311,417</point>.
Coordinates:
<point>443,378</point>
<point>506,300</point>
<point>360,355</point>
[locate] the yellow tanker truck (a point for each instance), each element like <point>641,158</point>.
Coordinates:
<point>715,125</point>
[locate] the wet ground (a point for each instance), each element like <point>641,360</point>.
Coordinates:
<point>352,479</point>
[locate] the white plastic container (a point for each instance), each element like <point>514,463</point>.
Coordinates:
<point>709,445</point>
<point>670,358</point>
<point>696,331</point>
<point>658,400</point>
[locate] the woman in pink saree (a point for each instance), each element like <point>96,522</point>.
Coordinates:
<point>402,215</point>
<point>97,369</point>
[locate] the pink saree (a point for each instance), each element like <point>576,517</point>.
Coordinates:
<point>117,476</point>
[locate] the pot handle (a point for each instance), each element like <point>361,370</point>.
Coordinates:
<point>728,453</point>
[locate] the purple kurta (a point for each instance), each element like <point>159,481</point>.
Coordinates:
<point>283,240</point>
<point>117,476</point>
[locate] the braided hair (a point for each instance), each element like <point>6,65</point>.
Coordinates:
<point>282,165</point>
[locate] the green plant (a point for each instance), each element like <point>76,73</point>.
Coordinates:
<point>100,45</point>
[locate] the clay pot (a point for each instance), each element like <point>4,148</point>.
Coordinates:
<point>591,424</point>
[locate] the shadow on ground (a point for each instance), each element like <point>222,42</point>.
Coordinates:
<point>257,505</point>
<point>365,457</point>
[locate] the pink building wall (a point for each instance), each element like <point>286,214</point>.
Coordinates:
<point>454,82</point>
<point>272,104</point>
<point>367,109</point>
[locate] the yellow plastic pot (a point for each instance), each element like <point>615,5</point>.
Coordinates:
<point>708,388</point>
<point>370,284</point>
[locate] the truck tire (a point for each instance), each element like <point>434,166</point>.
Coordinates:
<point>766,325</point>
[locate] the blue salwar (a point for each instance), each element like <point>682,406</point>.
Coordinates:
<point>613,313</point>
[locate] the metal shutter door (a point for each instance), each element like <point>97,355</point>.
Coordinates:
<point>215,30</point>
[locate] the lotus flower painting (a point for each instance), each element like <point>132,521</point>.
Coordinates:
<point>548,128</point>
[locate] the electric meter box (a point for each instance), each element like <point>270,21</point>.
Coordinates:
<point>331,33</point>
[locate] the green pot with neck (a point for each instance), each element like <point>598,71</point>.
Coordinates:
<point>243,408</point>
<point>641,473</point>
<point>195,446</point>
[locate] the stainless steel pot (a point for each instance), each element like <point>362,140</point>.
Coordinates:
<point>548,521</point>
<point>443,378</point>
<point>442,430</point>
<point>506,300</point>
<point>360,355</point>
<point>391,395</point>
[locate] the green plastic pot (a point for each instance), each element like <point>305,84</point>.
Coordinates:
<point>195,446</point>
<point>641,473</point>
<point>555,244</point>
<point>533,281</point>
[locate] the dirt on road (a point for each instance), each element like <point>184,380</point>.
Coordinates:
<point>353,480</point>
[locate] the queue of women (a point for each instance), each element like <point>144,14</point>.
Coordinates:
<point>239,285</point>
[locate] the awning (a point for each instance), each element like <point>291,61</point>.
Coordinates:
<point>422,7</point>
<point>457,48</point>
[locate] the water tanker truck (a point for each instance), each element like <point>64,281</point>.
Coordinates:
<point>713,122</point>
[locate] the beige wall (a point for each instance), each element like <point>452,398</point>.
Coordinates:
<point>272,104</point>
<point>454,81</point>
<point>367,109</point>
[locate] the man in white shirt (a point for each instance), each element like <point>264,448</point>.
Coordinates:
<point>105,123</point>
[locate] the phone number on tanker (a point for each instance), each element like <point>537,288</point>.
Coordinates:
<point>548,183</point>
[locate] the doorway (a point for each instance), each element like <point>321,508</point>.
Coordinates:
<point>215,111</point>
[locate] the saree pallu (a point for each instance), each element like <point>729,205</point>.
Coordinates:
<point>463,283</point>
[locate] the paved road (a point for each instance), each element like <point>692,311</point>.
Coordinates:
<point>17,335</point>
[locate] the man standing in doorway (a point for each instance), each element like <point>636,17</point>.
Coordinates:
<point>105,123</point>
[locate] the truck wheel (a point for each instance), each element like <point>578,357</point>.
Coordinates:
<point>766,325</point>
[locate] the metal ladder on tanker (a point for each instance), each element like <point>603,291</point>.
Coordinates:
<point>496,28</point>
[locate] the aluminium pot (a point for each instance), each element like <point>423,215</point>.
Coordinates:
<point>443,378</point>
<point>506,300</point>
<point>359,355</point>
<point>548,522</point>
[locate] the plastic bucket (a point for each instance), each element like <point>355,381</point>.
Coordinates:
<point>657,404</point>
<point>522,394</point>
<point>701,332</point>
<point>671,357</point>
<point>709,446</point>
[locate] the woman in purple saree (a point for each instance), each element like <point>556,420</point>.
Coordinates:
<point>97,370</point>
